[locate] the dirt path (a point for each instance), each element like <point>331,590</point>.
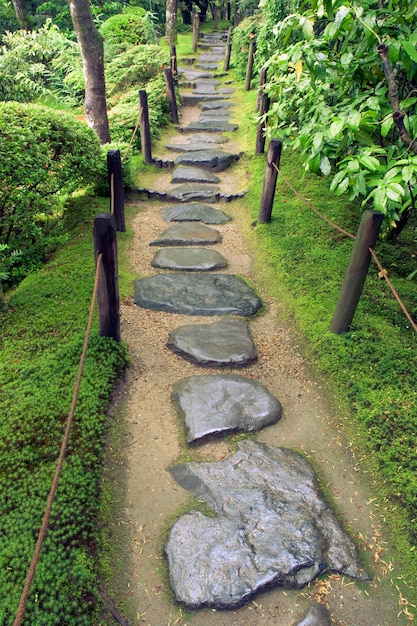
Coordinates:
<point>154,439</point>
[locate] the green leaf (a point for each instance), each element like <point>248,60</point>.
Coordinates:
<point>408,173</point>
<point>325,166</point>
<point>371,163</point>
<point>336,127</point>
<point>317,142</point>
<point>337,178</point>
<point>386,125</point>
<point>410,50</point>
<point>380,199</point>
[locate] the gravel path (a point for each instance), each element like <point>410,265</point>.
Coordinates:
<point>154,439</point>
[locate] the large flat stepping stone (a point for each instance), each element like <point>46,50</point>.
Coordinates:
<point>195,212</point>
<point>272,527</point>
<point>227,343</point>
<point>208,138</point>
<point>221,104</point>
<point>212,159</point>
<point>189,259</point>
<point>194,99</point>
<point>197,294</point>
<point>193,75</point>
<point>192,174</point>
<point>212,57</point>
<point>189,147</point>
<point>212,126</point>
<point>217,403</point>
<point>188,234</point>
<point>189,192</point>
<point>208,66</point>
<point>216,114</point>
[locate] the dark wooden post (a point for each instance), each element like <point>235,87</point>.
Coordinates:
<point>105,242</point>
<point>226,63</point>
<point>261,90</point>
<point>356,272</point>
<point>215,13</point>
<point>171,95</point>
<point>117,198</point>
<point>270,181</point>
<point>263,110</point>
<point>145,130</point>
<point>196,30</point>
<point>249,67</point>
<point>174,64</point>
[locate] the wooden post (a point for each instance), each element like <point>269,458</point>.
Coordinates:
<point>270,181</point>
<point>117,199</point>
<point>356,272</point>
<point>249,67</point>
<point>174,64</point>
<point>215,13</point>
<point>171,95</point>
<point>196,30</point>
<point>263,109</point>
<point>226,63</point>
<point>105,242</point>
<point>261,90</point>
<point>145,130</point>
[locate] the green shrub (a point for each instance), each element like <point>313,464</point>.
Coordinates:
<point>44,156</point>
<point>247,30</point>
<point>135,26</point>
<point>101,183</point>
<point>40,64</point>
<point>134,68</point>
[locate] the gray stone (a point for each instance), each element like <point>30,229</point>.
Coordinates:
<point>188,234</point>
<point>216,114</point>
<point>226,90</point>
<point>216,403</point>
<point>212,126</point>
<point>207,66</point>
<point>189,147</point>
<point>272,527</point>
<point>195,212</point>
<point>316,615</point>
<point>208,138</point>
<point>211,57</point>
<point>204,88</point>
<point>226,343</point>
<point>193,192</point>
<point>192,174</point>
<point>189,259</point>
<point>194,99</point>
<point>212,159</point>
<point>193,75</point>
<point>197,294</point>
<point>222,104</point>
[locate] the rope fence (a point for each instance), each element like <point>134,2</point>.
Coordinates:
<point>64,445</point>
<point>383,272</point>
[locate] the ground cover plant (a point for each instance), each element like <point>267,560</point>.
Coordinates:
<point>43,322</point>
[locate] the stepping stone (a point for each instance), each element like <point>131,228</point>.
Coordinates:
<point>188,147</point>
<point>216,404</point>
<point>208,137</point>
<point>194,192</point>
<point>226,90</point>
<point>213,159</point>
<point>193,99</point>
<point>204,88</point>
<point>272,527</point>
<point>316,615</point>
<point>192,174</point>
<point>197,294</point>
<point>192,75</point>
<point>189,259</point>
<point>195,212</point>
<point>226,343</point>
<point>211,58</point>
<point>212,126</point>
<point>188,234</point>
<point>208,66</point>
<point>221,104</point>
<point>215,114</point>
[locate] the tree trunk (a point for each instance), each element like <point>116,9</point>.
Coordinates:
<point>91,45</point>
<point>22,15</point>
<point>171,22</point>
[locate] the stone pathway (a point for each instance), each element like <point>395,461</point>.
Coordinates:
<point>268,532</point>
<point>269,529</point>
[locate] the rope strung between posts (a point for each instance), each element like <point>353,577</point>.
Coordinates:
<point>64,445</point>
<point>383,273</point>
<point>133,134</point>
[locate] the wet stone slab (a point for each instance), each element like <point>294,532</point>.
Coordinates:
<point>272,527</point>
<point>188,147</point>
<point>189,192</point>
<point>207,138</point>
<point>227,343</point>
<point>189,259</point>
<point>316,615</point>
<point>195,212</point>
<point>213,159</point>
<point>188,234</point>
<point>218,404</point>
<point>212,126</point>
<point>197,294</point>
<point>192,174</point>
<point>204,88</point>
<point>221,104</point>
<point>215,114</point>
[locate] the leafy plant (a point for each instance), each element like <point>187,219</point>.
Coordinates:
<point>243,33</point>
<point>132,27</point>
<point>134,67</point>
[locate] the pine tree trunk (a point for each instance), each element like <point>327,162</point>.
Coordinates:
<point>91,45</point>
<point>22,15</point>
